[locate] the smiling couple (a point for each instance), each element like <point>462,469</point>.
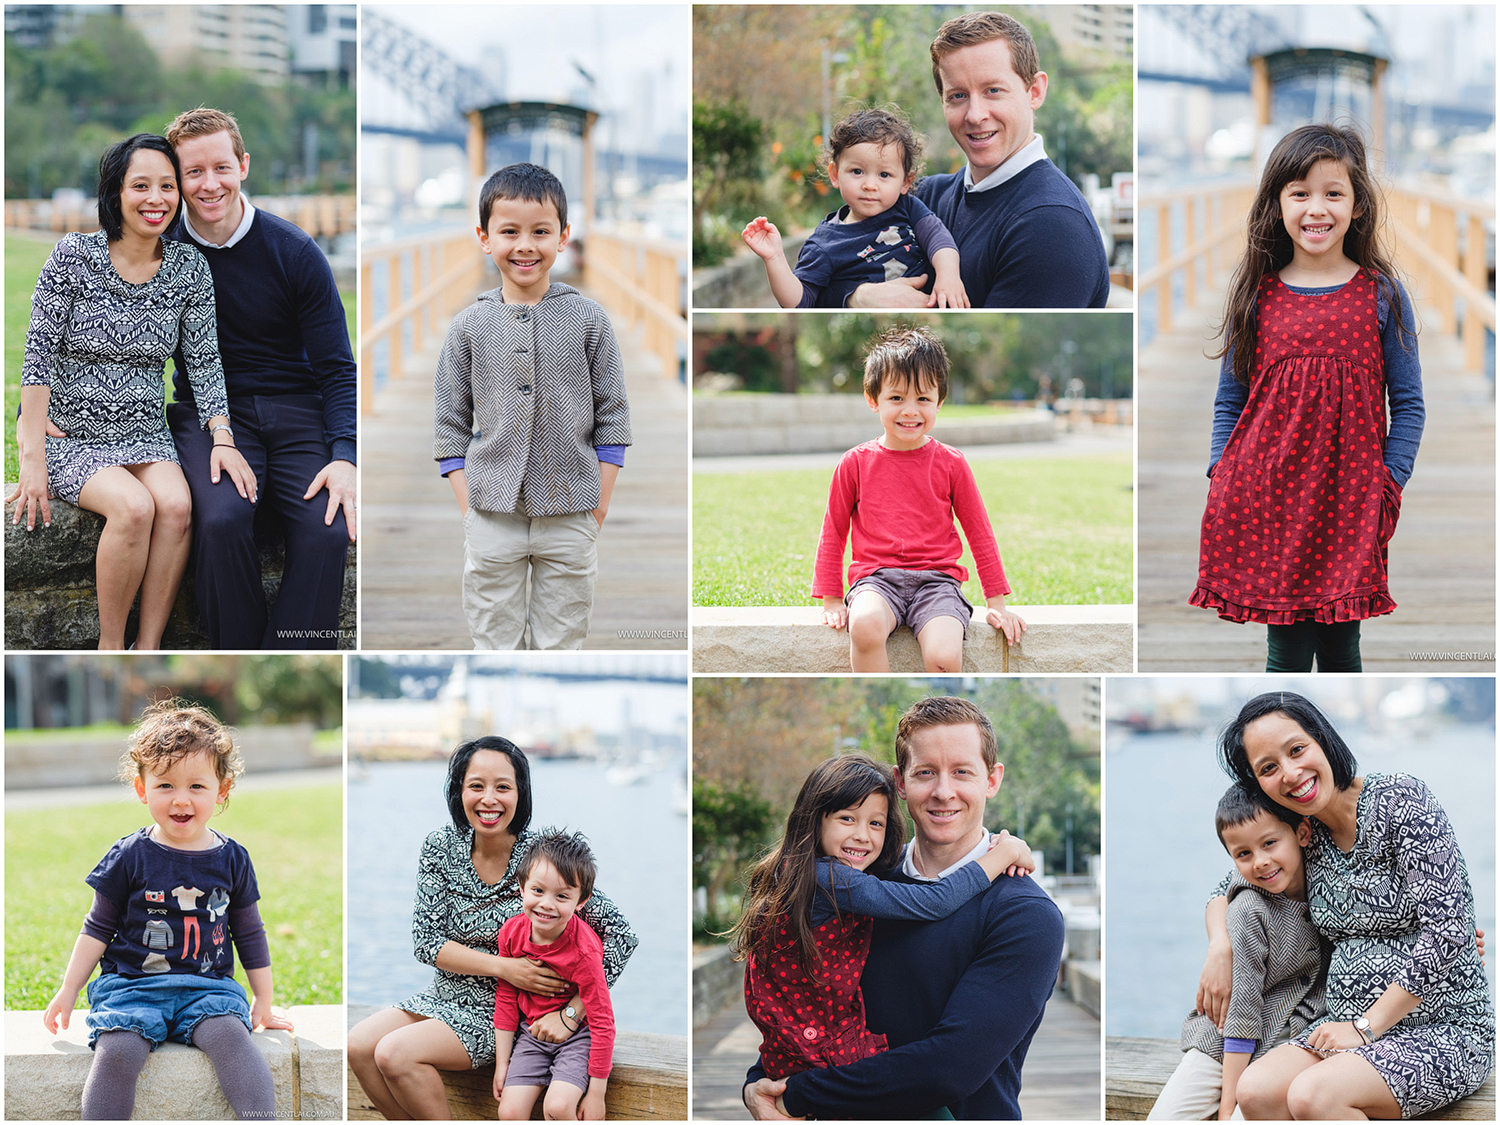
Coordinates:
<point>956,969</point>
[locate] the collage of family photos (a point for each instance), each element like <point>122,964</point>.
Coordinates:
<point>728,562</point>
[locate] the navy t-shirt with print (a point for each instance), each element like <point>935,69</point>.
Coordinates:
<point>839,257</point>
<point>174,905</point>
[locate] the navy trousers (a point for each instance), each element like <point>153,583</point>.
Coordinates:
<point>281,436</point>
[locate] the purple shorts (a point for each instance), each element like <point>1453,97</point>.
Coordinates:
<point>916,596</point>
<point>534,1063</point>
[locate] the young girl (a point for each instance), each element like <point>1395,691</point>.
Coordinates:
<point>1305,481</point>
<point>810,909</point>
<point>166,898</point>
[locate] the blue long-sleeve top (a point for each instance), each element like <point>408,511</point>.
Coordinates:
<point>856,892</point>
<point>1403,386</point>
<point>959,1001</point>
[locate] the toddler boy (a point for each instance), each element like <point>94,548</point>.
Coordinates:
<point>1279,972</point>
<point>899,495</point>
<point>531,425</point>
<point>881,233</point>
<point>556,878</point>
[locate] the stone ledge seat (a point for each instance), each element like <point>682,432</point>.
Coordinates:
<point>648,1081</point>
<point>1059,638</point>
<point>50,598</point>
<point>44,1074</point>
<point>1136,1069</point>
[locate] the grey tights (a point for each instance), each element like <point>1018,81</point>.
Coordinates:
<point>244,1076</point>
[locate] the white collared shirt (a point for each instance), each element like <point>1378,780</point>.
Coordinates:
<point>908,867</point>
<point>1017,163</point>
<point>239,231</point>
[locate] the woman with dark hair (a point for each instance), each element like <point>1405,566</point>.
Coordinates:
<point>1410,1026</point>
<point>466,889</point>
<point>109,309</point>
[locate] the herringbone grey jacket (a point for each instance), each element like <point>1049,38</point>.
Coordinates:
<point>1280,969</point>
<point>525,393</point>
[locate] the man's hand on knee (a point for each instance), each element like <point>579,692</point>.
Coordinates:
<point>342,481</point>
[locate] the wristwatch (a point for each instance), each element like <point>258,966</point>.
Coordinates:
<point>572,1013</point>
<point>222,426</point>
<point>1362,1025</point>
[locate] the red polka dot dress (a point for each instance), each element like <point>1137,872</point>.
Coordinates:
<point>808,1022</point>
<point>1301,504</point>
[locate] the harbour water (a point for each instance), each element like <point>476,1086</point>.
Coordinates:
<point>642,845</point>
<point>1164,858</point>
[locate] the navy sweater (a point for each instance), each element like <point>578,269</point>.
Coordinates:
<point>281,325</point>
<point>1030,243</point>
<point>958,1000</point>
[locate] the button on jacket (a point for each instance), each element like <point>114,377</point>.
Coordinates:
<point>524,393</point>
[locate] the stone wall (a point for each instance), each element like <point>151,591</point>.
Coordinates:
<point>757,639</point>
<point>717,979</point>
<point>741,425</point>
<point>44,1074</point>
<point>50,600</point>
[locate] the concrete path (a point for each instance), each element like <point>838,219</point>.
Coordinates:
<point>413,543</point>
<point>1082,443</point>
<point>1442,559</point>
<point>1060,1081</point>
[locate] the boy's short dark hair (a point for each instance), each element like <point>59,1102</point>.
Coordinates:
<point>570,856</point>
<point>530,182</point>
<point>877,127</point>
<point>909,354</point>
<point>1240,806</point>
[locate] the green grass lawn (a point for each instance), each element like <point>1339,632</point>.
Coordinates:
<point>23,264</point>
<point>294,836</point>
<point>1063,526</point>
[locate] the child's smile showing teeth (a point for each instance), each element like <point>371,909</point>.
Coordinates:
<point>855,835</point>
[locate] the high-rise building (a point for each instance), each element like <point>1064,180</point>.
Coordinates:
<point>252,37</point>
<point>324,39</point>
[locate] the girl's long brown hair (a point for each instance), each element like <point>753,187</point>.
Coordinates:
<point>1269,247</point>
<point>782,886</point>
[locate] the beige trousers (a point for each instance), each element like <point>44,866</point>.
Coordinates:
<point>556,556</point>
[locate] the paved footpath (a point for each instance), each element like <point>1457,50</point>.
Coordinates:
<point>1442,559</point>
<point>411,560</point>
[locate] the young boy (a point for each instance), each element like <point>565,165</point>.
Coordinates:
<point>556,878</point>
<point>881,233</point>
<point>1279,969</point>
<point>899,495</point>
<point>533,367</point>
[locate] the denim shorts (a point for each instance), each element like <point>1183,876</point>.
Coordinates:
<point>162,1008</point>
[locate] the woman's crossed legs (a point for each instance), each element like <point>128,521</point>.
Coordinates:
<point>147,512</point>
<point>1292,1083</point>
<point>397,1055</point>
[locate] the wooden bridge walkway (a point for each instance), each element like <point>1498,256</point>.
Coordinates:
<point>1442,559</point>
<point>412,552</point>
<point>1060,1081</point>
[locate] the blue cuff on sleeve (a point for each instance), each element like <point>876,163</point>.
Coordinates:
<point>344,449</point>
<point>611,454</point>
<point>448,464</point>
<point>1239,1046</point>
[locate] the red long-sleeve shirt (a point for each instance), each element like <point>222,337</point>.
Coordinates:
<point>578,957</point>
<point>900,505</point>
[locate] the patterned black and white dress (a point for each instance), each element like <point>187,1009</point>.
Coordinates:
<point>454,904</point>
<point>101,343</point>
<point>1399,910</point>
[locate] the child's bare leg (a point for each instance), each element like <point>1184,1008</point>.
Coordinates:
<point>871,621</point>
<point>516,1102</point>
<point>244,1075</point>
<point>562,1102</point>
<point>942,644</point>
<point>109,1090</point>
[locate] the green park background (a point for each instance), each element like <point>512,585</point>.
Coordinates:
<point>1063,521</point>
<point>758,104</point>
<point>294,834</point>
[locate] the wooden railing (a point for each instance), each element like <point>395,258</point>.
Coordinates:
<point>322,216</point>
<point>427,278</point>
<point>1439,247</point>
<point>642,284</point>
